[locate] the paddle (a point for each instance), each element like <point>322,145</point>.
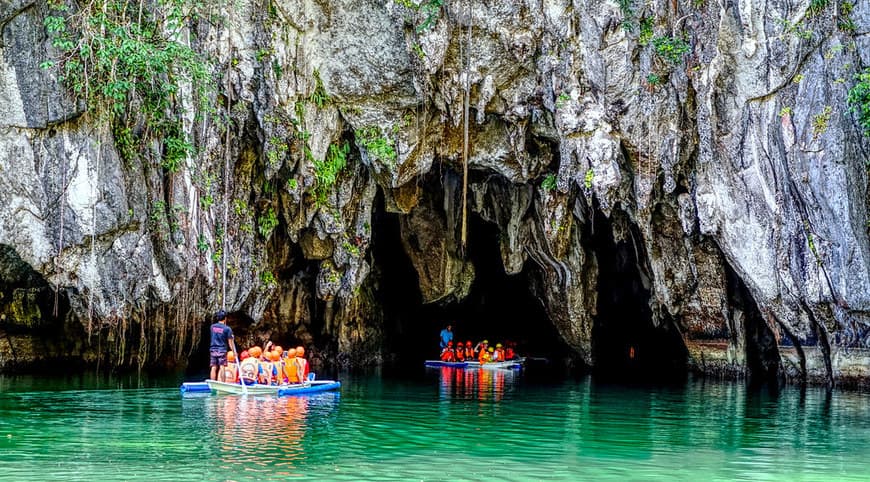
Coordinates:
<point>239,370</point>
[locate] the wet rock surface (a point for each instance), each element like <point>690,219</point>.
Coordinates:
<point>731,180</point>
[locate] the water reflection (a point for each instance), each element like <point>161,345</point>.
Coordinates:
<point>476,384</point>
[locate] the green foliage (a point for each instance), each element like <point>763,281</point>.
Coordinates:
<point>653,79</point>
<point>432,9</point>
<point>276,150</point>
<point>816,6</point>
<point>378,146</point>
<point>128,63</point>
<point>292,184</point>
<point>820,121</point>
<point>267,223</point>
<point>326,171</point>
<point>646,31</point>
<point>588,178</point>
<point>201,244</point>
<point>268,279</point>
<point>671,49</point>
<point>797,78</point>
<point>785,111</point>
<point>798,29</point>
<point>206,201</point>
<point>859,100</point>
<point>627,9</point>
<point>563,99</point>
<point>319,97</point>
<point>549,182</point>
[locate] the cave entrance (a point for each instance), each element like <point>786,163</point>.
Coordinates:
<point>499,306</point>
<point>625,342</point>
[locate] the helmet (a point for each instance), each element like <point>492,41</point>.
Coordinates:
<point>274,355</point>
<point>244,355</point>
<point>498,345</point>
<point>255,351</point>
<point>449,343</point>
<point>291,353</point>
<point>231,357</point>
<point>467,343</point>
<point>300,351</point>
<point>279,349</point>
<point>491,349</point>
<point>485,342</point>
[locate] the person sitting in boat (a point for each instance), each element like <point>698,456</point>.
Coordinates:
<point>231,371</point>
<point>249,367</point>
<point>302,364</point>
<point>499,354</point>
<point>482,346</point>
<point>447,354</point>
<point>291,371</point>
<point>469,351</point>
<point>509,353</point>
<point>459,353</point>
<point>270,367</point>
<point>485,356</point>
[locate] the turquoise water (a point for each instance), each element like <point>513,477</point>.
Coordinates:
<point>444,424</point>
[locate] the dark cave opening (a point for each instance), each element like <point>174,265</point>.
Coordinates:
<point>762,354</point>
<point>499,307</point>
<point>625,342</point>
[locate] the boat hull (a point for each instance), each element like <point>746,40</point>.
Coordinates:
<point>517,363</point>
<point>257,389</point>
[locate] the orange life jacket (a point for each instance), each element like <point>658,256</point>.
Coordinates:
<point>249,369</point>
<point>231,373</point>
<point>303,364</point>
<point>469,353</point>
<point>291,370</point>
<point>484,357</point>
<point>500,354</point>
<point>459,355</point>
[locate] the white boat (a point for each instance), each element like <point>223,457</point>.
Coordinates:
<point>257,389</point>
<point>515,363</point>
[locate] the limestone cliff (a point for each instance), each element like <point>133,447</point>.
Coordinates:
<point>707,146</point>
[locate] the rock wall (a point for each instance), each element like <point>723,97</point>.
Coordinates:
<point>727,163</point>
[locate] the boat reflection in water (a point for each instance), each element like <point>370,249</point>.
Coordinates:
<point>266,430</point>
<point>477,383</point>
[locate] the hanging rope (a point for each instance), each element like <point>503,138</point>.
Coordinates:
<point>466,101</point>
<point>224,245</point>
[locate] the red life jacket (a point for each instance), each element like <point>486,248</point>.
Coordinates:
<point>447,355</point>
<point>459,355</point>
<point>509,354</point>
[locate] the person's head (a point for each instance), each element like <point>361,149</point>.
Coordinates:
<point>231,357</point>
<point>244,355</point>
<point>468,343</point>
<point>291,353</point>
<point>279,349</point>
<point>449,327</point>
<point>498,345</point>
<point>449,343</point>
<point>491,350</point>
<point>484,342</point>
<point>220,316</point>
<point>274,355</point>
<point>255,351</point>
<point>300,351</point>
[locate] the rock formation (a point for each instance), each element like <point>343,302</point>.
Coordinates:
<point>703,150</point>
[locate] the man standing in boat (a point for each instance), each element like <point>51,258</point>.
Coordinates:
<point>446,336</point>
<point>221,335</point>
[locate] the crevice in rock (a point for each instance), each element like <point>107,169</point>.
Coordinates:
<point>626,343</point>
<point>762,354</point>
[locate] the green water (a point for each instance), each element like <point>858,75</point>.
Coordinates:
<point>439,425</point>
